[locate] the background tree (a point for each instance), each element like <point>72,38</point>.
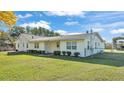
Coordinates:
<point>3,38</point>
<point>40,31</point>
<point>16,31</point>
<point>8,17</point>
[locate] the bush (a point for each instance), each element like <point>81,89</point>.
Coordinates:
<point>29,51</point>
<point>64,53</point>
<point>68,53</point>
<point>16,53</point>
<point>34,51</point>
<point>76,54</point>
<point>41,52</point>
<point>57,52</point>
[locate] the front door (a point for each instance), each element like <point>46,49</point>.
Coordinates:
<point>52,46</point>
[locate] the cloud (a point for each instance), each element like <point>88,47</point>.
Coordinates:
<point>72,23</point>
<point>63,32</point>
<point>117,31</point>
<point>101,16</point>
<point>25,16</point>
<point>41,23</point>
<point>65,13</point>
<point>97,29</point>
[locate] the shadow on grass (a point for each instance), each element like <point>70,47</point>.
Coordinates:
<point>107,58</point>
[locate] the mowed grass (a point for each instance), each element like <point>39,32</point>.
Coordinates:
<point>107,66</point>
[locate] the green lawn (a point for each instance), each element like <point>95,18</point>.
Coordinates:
<point>107,66</point>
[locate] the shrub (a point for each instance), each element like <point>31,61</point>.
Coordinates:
<point>57,52</point>
<point>29,51</point>
<point>16,53</point>
<point>76,54</point>
<point>64,53</point>
<point>41,52</point>
<point>68,53</point>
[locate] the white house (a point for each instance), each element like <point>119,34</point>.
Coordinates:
<point>120,44</point>
<point>86,44</point>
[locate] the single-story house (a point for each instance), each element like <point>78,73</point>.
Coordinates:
<point>86,44</point>
<point>120,44</point>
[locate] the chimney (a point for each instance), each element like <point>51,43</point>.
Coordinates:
<point>91,31</point>
<point>87,31</point>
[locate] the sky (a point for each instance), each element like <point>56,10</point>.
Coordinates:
<point>108,24</point>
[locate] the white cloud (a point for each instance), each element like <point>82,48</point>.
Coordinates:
<point>41,23</point>
<point>117,31</point>
<point>101,16</point>
<point>63,32</point>
<point>66,13</point>
<point>97,29</point>
<point>72,23</point>
<point>25,16</point>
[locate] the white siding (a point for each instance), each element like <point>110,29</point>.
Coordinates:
<point>94,49</point>
<point>80,47</point>
<point>23,40</point>
<point>51,46</point>
<point>41,46</point>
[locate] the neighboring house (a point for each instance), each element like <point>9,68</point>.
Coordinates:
<point>86,44</point>
<point>108,45</point>
<point>6,46</point>
<point>120,44</point>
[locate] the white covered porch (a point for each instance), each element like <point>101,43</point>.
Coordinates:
<point>51,46</point>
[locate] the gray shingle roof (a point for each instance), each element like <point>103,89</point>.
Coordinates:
<point>65,37</point>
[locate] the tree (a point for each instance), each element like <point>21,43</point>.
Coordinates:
<point>28,29</point>
<point>8,17</point>
<point>40,31</point>
<point>3,38</point>
<point>16,31</point>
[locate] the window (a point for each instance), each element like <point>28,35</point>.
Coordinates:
<point>74,45</point>
<point>95,44</point>
<point>32,37</point>
<point>23,45</point>
<point>36,45</point>
<point>57,44</point>
<point>88,45</point>
<point>68,45</point>
<point>18,45</point>
<point>71,45</point>
<point>27,45</point>
<point>98,44</point>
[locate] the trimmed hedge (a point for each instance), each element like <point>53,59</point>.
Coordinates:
<point>36,51</point>
<point>68,53</point>
<point>57,53</point>
<point>16,52</point>
<point>76,54</point>
<point>64,53</point>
